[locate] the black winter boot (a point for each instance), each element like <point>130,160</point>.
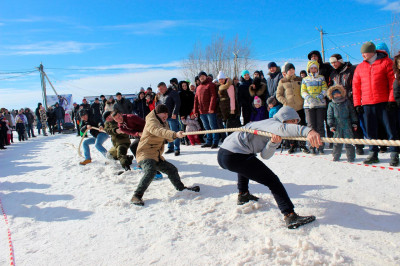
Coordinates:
<point>359,150</point>
<point>292,149</point>
<point>313,151</point>
<point>372,158</point>
<point>137,200</point>
<point>294,221</point>
<point>394,159</point>
<point>245,197</point>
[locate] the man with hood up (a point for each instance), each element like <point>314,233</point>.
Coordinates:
<point>238,154</point>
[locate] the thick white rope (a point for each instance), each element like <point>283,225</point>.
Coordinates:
<point>379,142</point>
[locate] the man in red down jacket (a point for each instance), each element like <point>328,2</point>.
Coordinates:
<point>373,98</point>
<point>205,103</point>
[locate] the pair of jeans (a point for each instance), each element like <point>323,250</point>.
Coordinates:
<point>29,129</point>
<point>247,166</point>
<point>376,116</point>
<point>210,122</point>
<point>174,126</point>
<point>98,143</point>
<point>59,122</point>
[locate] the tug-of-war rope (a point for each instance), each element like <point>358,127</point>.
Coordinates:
<point>378,142</point>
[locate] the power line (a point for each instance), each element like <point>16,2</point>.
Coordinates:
<point>329,39</point>
<point>351,32</point>
<point>18,76</point>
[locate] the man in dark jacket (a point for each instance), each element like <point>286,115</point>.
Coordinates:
<point>273,78</point>
<point>96,110</point>
<point>39,122</point>
<point>60,113</point>
<point>98,138</point>
<point>31,119</point>
<point>123,105</point>
<point>342,74</point>
<point>76,118</point>
<point>205,104</point>
<point>325,69</point>
<point>103,101</point>
<point>170,98</point>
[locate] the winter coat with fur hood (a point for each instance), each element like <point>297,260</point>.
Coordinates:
<point>289,92</point>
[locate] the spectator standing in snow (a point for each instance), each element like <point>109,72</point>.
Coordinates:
<point>170,98</point>
<point>260,111</point>
<point>205,104</point>
<point>374,99</point>
<point>60,114</point>
<point>123,105</point>
<point>31,119</point>
<point>273,78</point>
<point>313,90</point>
<point>243,96</point>
<point>342,119</point>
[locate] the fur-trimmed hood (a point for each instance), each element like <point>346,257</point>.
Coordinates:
<point>226,85</point>
<point>333,88</point>
<point>291,78</point>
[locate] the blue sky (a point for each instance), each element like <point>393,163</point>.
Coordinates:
<point>101,47</point>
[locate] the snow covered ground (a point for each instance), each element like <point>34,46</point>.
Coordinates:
<point>60,213</point>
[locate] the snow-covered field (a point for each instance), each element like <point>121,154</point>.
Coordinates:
<point>60,213</point>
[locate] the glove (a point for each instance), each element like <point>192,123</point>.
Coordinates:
<point>321,97</point>
<point>333,129</point>
<point>359,110</point>
<point>308,99</point>
<point>391,106</point>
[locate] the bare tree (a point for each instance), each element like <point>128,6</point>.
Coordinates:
<point>219,55</point>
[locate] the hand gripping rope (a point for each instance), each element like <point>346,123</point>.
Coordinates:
<point>380,142</point>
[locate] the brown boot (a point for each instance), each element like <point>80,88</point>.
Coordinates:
<point>85,162</point>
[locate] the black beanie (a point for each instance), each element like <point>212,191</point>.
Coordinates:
<point>106,114</point>
<point>202,73</point>
<point>161,108</point>
<point>288,66</point>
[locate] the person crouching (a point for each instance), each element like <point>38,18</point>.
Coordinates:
<point>150,150</point>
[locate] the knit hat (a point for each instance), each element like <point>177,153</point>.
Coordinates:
<point>161,108</point>
<point>106,114</point>
<point>368,47</point>
<point>288,66</point>
<point>83,112</point>
<point>271,100</point>
<point>336,57</point>
<point>258,72</point>
<point>118,93</point>
<point>221,75</point>
<point>311,64</point>
<point>272,64</point>
<point>202,73</point>
<point>257,100</point>
<point>244,72</point>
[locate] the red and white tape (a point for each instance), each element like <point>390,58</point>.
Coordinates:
<point>319,157</point>
<point>10,244</point>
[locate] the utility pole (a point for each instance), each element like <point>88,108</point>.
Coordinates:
<point>321,31</point>
<point>235,67</point>
<point>43,83</point>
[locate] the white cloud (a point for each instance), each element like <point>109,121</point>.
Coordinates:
<point>157,27</point>
<point>50,48</point>
<point>393,6</point>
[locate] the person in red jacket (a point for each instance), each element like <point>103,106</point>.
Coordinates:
<point>373,98</point>
<point>205,103</point>
<point>131,125</point>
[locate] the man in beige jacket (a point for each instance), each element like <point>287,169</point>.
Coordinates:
<point>150,150</point>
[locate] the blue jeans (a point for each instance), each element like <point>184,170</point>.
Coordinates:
<point>98,143</point>
<point>60,121</point>
<point>174,126</point>
<point>210,122</point>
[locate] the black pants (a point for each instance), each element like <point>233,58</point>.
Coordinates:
<point>134,145</point>
<point>376,116</point>
<point>247,166</point>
